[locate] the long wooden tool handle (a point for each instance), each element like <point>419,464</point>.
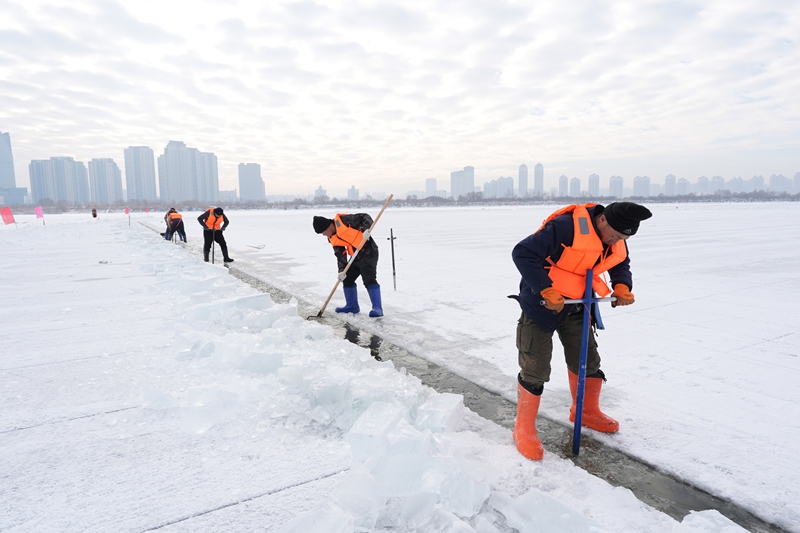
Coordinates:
<point>349,263</point>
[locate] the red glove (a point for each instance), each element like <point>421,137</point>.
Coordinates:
<point>622,294</point>
<point>552,299</point>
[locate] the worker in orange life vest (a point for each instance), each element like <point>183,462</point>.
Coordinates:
<point>174,222</point>
<point>345,233</point>
<point>214,223</point>
<point>553,263</point>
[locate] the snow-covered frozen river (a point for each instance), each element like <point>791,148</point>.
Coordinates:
<point>700,370</point>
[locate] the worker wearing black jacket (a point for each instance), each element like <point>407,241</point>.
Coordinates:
<point>553,262</point>
<point>345,233</point>
<point>214,223</point>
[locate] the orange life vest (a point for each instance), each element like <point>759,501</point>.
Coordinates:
<point>569,273</point>
<point>213,221</point>
<point>345,236</point>
<point>175,216</point>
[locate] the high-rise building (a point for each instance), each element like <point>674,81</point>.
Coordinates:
<point>669,185</point>
<point>462,182</point>
<point>187,174</point>
<point>575,187</point>
<point>105,181</point>
<point>717,184</point>
<point>10,194</point>
<point>594,186</point>
<point>42,183</point>
<point>523,180</point>
<point>430,187</point>
<point>538,180</point>
<point>251,186</point>
<point>779,183</point>
<point>352,193</point>
<point>756,183</point>
<point>563,186</point>
<point>736,185</point>
<point>641,186</point>
<point>320,194</point>
<point>140,174</point>
<point>60,179</point>
<point>682,187</point>
<point>615,187</point>
<point>7,178</point>
<point>702,185</point>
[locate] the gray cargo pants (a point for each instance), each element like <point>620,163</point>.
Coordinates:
<point>535,347</point>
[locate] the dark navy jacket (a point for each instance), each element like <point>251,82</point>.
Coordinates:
<point>530,257</point>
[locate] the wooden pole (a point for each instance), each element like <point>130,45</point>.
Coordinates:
<point>349,263</point>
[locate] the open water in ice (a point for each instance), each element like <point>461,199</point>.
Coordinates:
<point>663,492</point>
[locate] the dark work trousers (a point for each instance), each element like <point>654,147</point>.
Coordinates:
<point>364,266</point>
<point>535,347</point>
<point>176,226</point>
<point>209,237</point>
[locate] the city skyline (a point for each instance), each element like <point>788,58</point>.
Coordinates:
<point>389,95</point>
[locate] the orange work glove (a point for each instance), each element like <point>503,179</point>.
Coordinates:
<point>623,295</point>
<point>552,299</point>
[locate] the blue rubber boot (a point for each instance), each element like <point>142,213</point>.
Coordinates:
<point>351,299</point>
<point>374,291</point>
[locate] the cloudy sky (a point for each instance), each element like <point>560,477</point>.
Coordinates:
<point>383,95</point>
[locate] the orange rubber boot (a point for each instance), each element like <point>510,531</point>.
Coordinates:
<point>525,436</point>
<point>592,417</point>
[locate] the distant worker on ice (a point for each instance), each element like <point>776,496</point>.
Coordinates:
<point>214,223</point>
<point>553,263</point>
<point>174,222</point>
<point>345,233</point>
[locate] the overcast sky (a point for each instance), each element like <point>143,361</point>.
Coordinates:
<point>382,95</point>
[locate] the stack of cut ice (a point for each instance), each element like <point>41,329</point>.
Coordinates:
<point>416,467</point>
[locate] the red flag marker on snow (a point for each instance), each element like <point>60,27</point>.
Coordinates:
<point>39,213</point>
<point>8,216</point>
<point>128,212</point>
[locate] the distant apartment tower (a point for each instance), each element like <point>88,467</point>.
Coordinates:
<point>736,185</point>
<point>7,178</point>
<point>140,174</point>
<point>430,187</point>
<point>563,186</point>
<point>779,183</point>
<point>594,186</point>
<point>756,183</point>
<point>462,182</point>
<point>320,192</point>
<point>60,179</point>
<point>538,180</point>
<point>717,184</point>
<point>10,194</point>
<point>682,187</point>
<point>187,174</point>
<point>615,187</point>
<point>641,186</point>
<point>105,181</point>
<point>352,193</point>
<point>702,185</point>
<point>251,186</point>
<point>523,180</point>
<point>499,188</point>
<point>669,185</point>
<point>575,187</point>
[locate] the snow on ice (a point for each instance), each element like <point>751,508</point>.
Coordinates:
<point>144,389</point>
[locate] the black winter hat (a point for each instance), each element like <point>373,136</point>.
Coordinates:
<point>218,211</point>
<point>321,224</point>
<point>624,217</point>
